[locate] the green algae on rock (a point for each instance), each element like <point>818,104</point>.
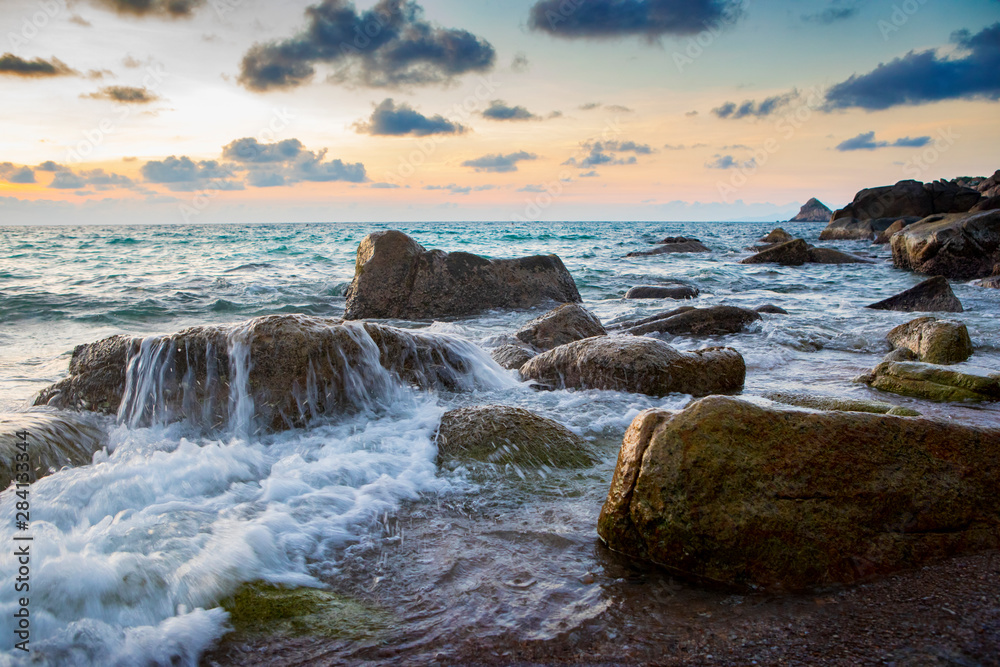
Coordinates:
<point>834,404</point>
<point>942,384</point>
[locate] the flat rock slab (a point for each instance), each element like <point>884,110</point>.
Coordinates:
<point>671,248</point>
<point>942,384</point>
<point>713,321</point>
<point>741,494</point>
<point>678,292</point>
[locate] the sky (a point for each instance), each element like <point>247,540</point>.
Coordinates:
<point>240,111</point>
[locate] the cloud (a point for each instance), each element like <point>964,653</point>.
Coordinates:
<point>12,65</point>
<point>751,108</point>
<point>51,166</point>
<point>67,179</point>
<point>498,163</point>
<point>185,175</point>
<point>619,108</point>
<point>838,10</point>
<point>167,8</point>
<point>620,18</point>
<point>389,45</point>
<point>19,175</point>
<point>498,110</point>
<point>590,174</point>
<point>249,150</point>
<point>729,162</point>
<point>606,152</point>
<point>124,95</point>
<point>520,63</point>
<point>288,162</point>
<point>452,188</point>
<point>924,77</point>
<point>532,188</point>
<point>866,142</point>
<point>390,120</point>
<point>590,106</point>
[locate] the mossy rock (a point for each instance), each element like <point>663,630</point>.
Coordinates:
<point>834,404</point>
<point>942,384</point>
<point>261,609</point>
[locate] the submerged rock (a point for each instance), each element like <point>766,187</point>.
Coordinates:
<point>54,440</point>
<point>678,292</point>
<point>271,373</point>
<point>512,357</point>
<point>813,211</point>
<point>675,240</point>
<point>835,404</point>
<point>831,256</point>
<point>396,277</point>
<point>958,247</point>
<point>934,341</point>
<point>771,309</point>
<point>557,327</point>
<point>638,365</point>
<point>779,235</point>
<point>930,296</point>
<point>677,245</point>
<point>792,253</point>
<point>504,435</point>
<point>942,384</point>
<point>713,321</point>
<point>733,492</point>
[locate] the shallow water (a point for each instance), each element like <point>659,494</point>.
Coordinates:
<point>132,553</point>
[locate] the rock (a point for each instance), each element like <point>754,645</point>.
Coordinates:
<point>988,204</point>
<point>932,295</point>
<point>851,229</point>
<point>55,440</point>
<point>886,236</point>
<point>563,325</point>
<point>638,365</point>
<point>831,256</point>
<point>779,235</point>
<point>793,253</point>
<point>992,283</point>
<point>909,199</point>
<point>283,371</point>
<point>731,492</point>
<point>395,277</point>
<point>990,187</point>
<point>835,404</point>
<point>504,435</point>
<point>813,211</point>
<point>512,357</point>
<point>959,247</point>
<point>934,341</point>
<point>692,246</point>
<point>899,354</point>
<point>678,292</point>
<point>674,240</point>
<point>942,384</point>
<point>714,321</point>
<point>771,309</point>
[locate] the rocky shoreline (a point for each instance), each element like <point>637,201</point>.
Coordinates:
<point>777,494</point>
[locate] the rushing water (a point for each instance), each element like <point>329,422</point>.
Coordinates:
<point>132,553</point>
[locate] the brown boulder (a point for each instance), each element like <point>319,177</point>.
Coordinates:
<point>932,295</point>
<point>684,245</point>
<point>55,440</point>
<point>813,211</point>
<point>831,256</point>
<point>732,492</point>
<point>512,357</point>
<point>779,235</point>
<point>886,236</point>
<point>563,325</point>
<point>678,292</point>
<point>638,365</point>
<point>713,321</point>
<point>792,253</point>
<point>959,247</point>
<point>395,277</point>
<point>942,384</point>
<point>933,341</point>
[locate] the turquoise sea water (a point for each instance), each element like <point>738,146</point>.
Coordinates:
<point>136,550</point>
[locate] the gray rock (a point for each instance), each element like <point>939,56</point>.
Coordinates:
<point>813,211</point>
<point>959,247</point>
<point>932,295</point>
<point>713,321</point>
<point>933,341</point>
<point>512,357</point>
<point>689,246</point>
<point>557,327</point>
<point>678,292</point>
<point>54,440</point>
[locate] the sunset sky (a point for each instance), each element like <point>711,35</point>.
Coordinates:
<point>231,111</point>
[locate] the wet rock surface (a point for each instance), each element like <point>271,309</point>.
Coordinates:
<point>678,292</point>
<point>942,384</point>
<point>54,439</point>
<point>688,321</point>
<point>557,327</point>
<point>958,247</point>
<point>934,295</point>
<point>934,341</point>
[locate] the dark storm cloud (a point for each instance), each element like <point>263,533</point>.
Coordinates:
<point>838,10</point>
<point>390,120</point>
<point>12,65</point>
<point>606,153</point>
<point>124,95</point>
<point>389,45</point>
<point>752,108</point>
<point>499,110</point>
<point>619,18</point>
<point>168,8</point>
<point>499,163</point>
<point>924,77</point>
<point>866,142</point>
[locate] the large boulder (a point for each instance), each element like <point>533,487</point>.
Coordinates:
<point>959,247</point>
<point>909,199</point>
<point>792,253</point>
<point>502,435</point>
<point>930,296</point>
<point>813,211</point>
<point>557,327</point>
<point>942,384</point>
<point>732,492</point>
<point>831,256</point>
<point>395,277</point>
<point>271,373</point>
<point>933,341</point>
<point>852,229</point>
<point>713,321</point>
<point>512,357</point>
<point>678,292</point>
<point>53,440</point>
<point>638,365</point>
<point>671,246</point>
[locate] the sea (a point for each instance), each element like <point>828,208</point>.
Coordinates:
<point>133,554</point>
